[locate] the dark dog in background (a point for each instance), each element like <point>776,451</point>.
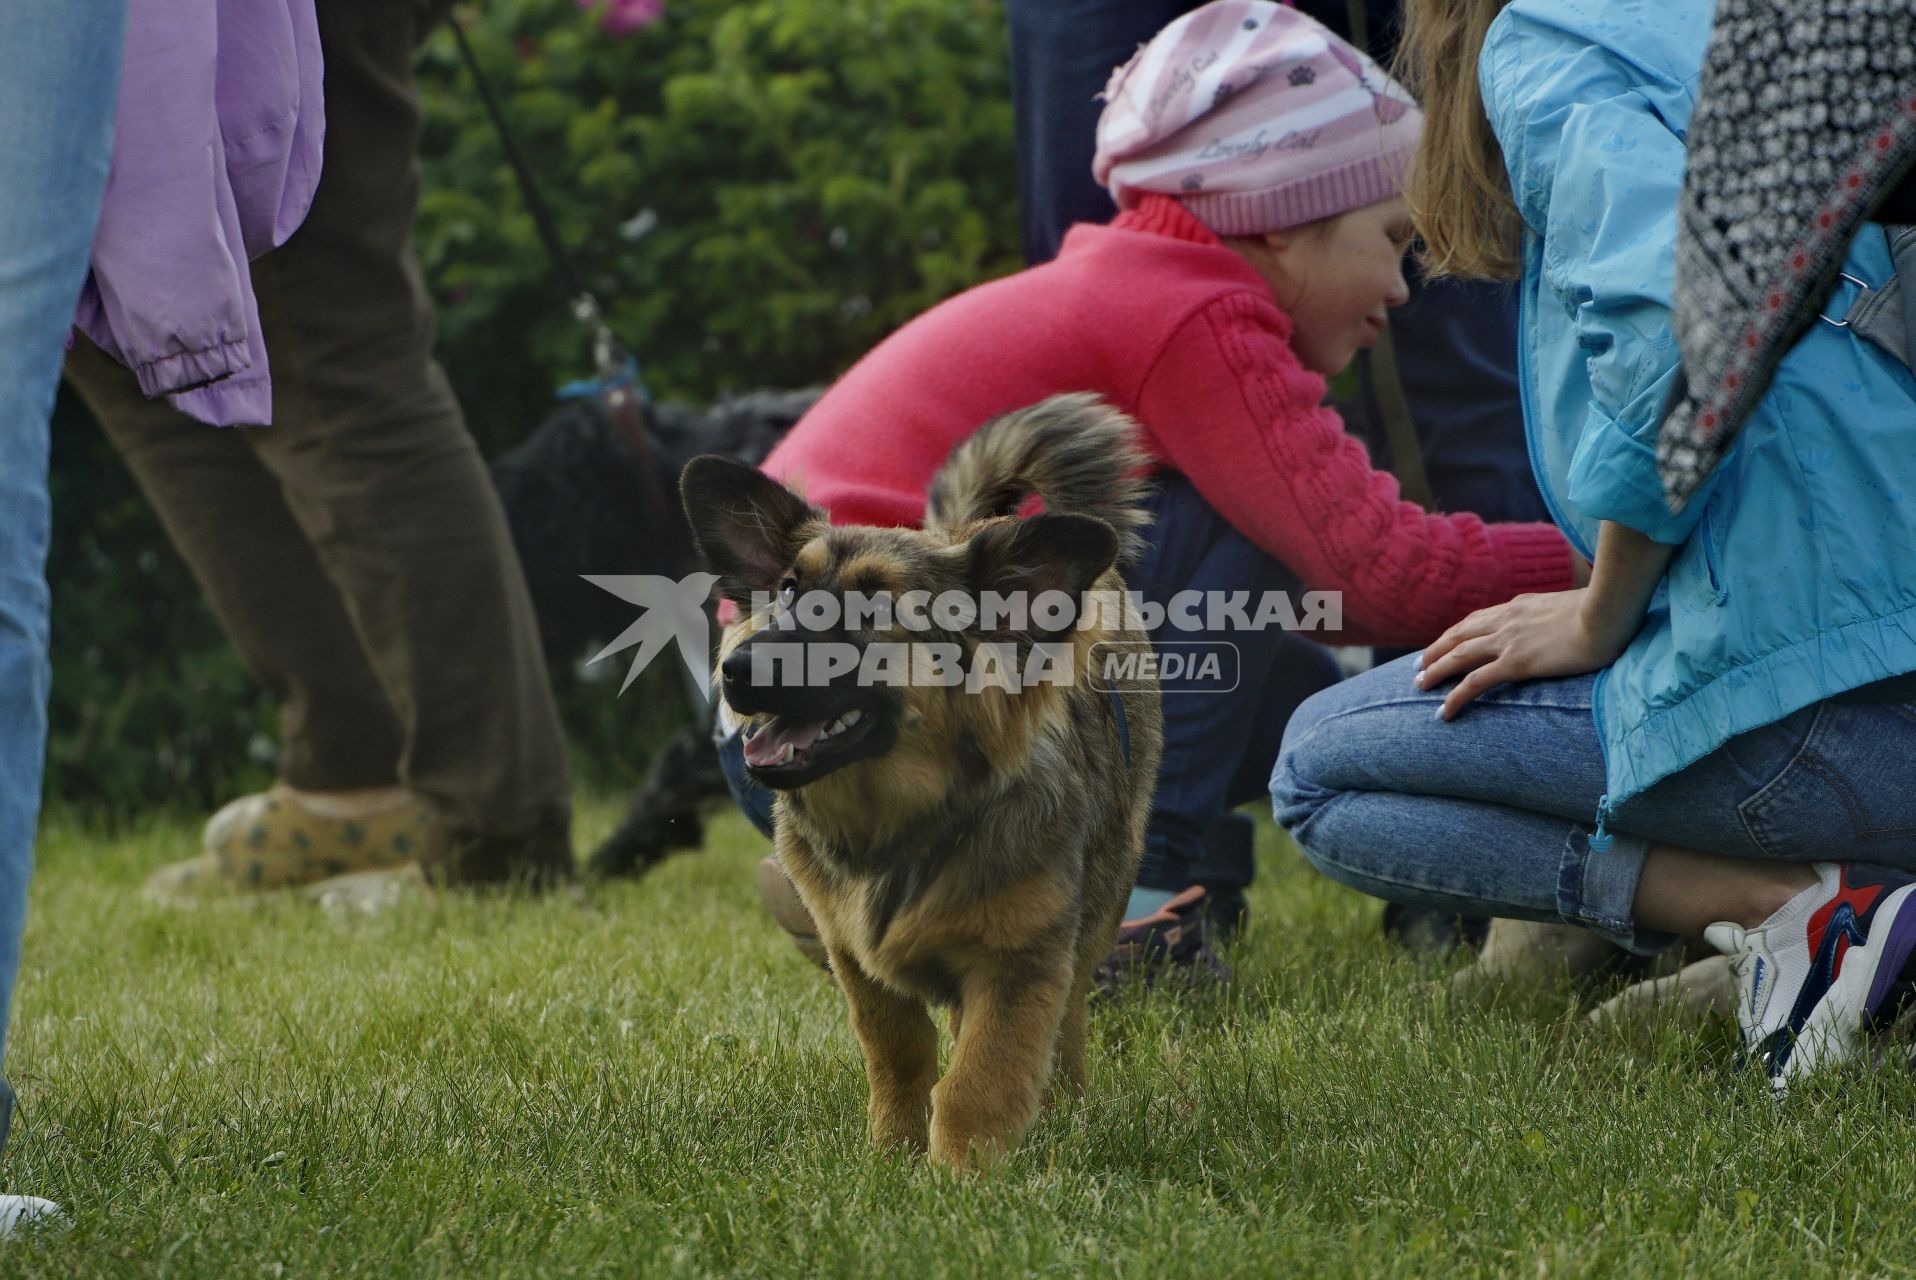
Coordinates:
<point>960,845</point>
<point>580,500</point>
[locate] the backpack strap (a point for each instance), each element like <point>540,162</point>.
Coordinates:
<point>1886,314</point>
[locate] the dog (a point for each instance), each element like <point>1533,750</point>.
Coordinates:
<point>968,845</point>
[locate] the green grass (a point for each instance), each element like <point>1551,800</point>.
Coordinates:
<point>645,1079</point>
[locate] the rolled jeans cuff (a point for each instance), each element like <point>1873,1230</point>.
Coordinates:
<point>1598,889</point>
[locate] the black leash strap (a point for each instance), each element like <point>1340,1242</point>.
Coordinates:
<point>622,393</point>
<point>541,215</point>
<point>1378,366</point>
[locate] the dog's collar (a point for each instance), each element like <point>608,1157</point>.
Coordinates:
<point>1124,726</point>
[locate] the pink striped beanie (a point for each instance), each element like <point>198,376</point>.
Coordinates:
<point>1257,118</point>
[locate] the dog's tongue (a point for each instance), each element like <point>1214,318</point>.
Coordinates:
<point>767,745</point>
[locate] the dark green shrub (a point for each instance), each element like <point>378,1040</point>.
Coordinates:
<point>149,704</point>
<point>812,174</point>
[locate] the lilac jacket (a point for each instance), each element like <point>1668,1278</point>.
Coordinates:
<point>216,154</point>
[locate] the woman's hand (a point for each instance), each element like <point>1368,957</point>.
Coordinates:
<point>1528,638</point>
<point>1564,633</point>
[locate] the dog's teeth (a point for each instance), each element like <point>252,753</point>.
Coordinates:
<point>784,755</point>
<point>850,718</point>
<point>836,726</point>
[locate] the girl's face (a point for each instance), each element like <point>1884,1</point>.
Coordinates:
<point>1337,278</point>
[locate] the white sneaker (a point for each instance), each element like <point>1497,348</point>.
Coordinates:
<point>30,1213</point>
<point>1823,971</point>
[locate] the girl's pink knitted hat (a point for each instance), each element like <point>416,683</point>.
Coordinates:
<point>1257,118</point>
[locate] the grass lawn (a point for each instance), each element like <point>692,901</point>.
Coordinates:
<point>645,1079</point>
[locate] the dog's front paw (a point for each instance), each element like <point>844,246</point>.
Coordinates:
<point>958,1145</point>
<point>900,1122</point>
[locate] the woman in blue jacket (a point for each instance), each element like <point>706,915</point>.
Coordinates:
<point>1708,740</point>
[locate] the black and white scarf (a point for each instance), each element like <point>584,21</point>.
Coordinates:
<point>1805,117</point>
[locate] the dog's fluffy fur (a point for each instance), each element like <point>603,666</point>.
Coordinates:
<point>966,849</point>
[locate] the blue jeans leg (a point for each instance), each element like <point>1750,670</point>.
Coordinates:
<point>1062,52</point>
<point>1218,745</point>
<point>1493,813</point>
<point>753,800</point>
<point>1489,814</point>
<point>59,78</point>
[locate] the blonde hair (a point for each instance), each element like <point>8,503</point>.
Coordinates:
<point>1458,189</point>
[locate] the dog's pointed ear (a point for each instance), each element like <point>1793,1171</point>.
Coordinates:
<point>746,525</point>
<point>1043,553</point>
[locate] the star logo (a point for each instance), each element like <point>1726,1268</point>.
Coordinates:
<point>674,612</point>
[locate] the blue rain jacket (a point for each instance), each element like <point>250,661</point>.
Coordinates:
<point>1796,577</point>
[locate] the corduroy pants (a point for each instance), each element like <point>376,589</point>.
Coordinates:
<point>355,550</point>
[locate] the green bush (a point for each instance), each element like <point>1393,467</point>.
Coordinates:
<point>759,192</point>
<point>812,174</point>
<point>149,704</point>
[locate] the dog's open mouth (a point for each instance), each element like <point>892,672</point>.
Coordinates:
<point>784,752</point>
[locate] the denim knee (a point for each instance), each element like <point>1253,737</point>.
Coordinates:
<point>754,801</point>
<point>1294,795</point>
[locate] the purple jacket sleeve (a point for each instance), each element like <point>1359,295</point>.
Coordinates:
<point>215,160</point>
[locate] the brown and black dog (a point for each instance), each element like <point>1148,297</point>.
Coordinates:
<point>967,844</point>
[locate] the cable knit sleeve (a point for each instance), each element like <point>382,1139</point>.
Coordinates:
<point>1231,408</point>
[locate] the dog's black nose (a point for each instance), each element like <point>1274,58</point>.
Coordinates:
<point>752,681</point>
<point>736,674</point>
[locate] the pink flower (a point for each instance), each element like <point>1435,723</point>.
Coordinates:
<point>623,17</point>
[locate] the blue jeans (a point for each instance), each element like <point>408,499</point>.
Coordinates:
<point>754,801</point>
<point>1218,746</point>
<point>1493,813</point>
<point>59,80</point>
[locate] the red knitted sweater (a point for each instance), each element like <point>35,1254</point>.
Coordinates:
<point>1157,316</point>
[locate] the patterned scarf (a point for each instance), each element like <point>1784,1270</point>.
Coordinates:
<point>1805,118</point>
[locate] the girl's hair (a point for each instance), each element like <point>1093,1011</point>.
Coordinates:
<point>1457,188</point>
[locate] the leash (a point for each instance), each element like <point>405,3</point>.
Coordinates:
<point>1387,393</point>
<point>1379,364</point>
<point>617,383</point>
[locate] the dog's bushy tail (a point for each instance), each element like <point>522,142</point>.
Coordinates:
<point>1075,452</point>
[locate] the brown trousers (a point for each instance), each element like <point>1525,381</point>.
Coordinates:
<point>355,551</point>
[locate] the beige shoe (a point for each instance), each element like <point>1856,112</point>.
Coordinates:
<point>270,841</point>
<point>368,893</point>
<point>1692,996</point>
<point>1520,954</point>
<point>782,900</point>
